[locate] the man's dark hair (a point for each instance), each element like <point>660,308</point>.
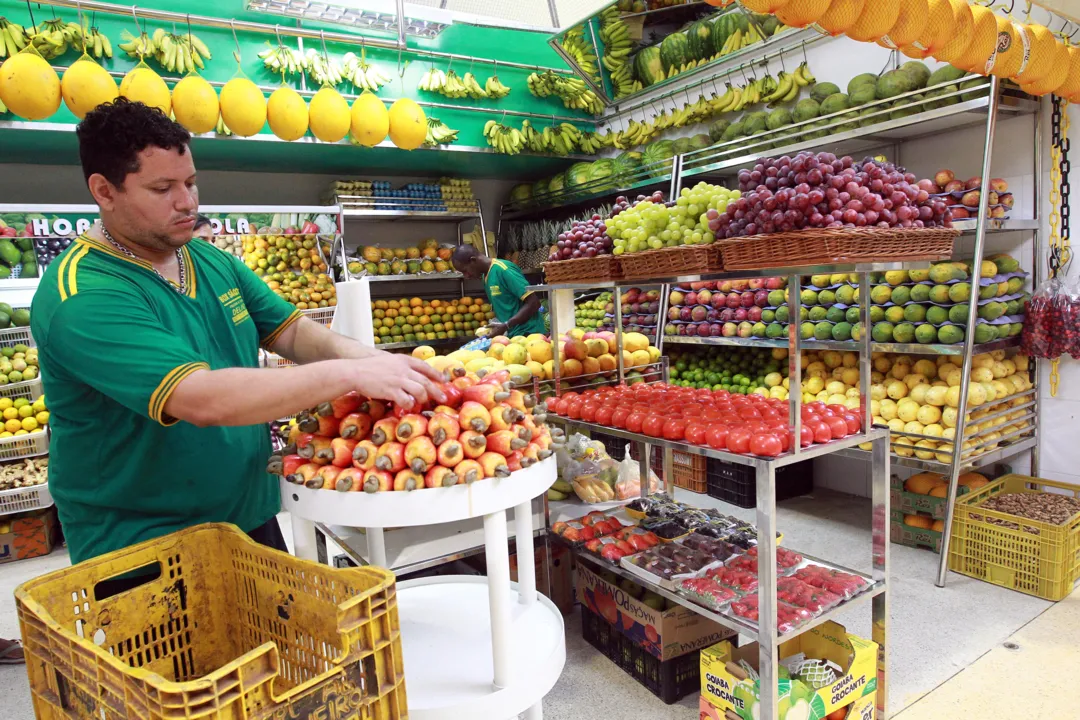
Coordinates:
<point>200,222</point>
<point>463,255</point>
<point>112,135</point>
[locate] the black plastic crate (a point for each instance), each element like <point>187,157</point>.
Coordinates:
<point>656,458</point>
<point>670,680</point>
<point>736,484</point>
<point>615,447</point>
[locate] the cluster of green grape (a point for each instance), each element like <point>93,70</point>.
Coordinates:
<point>651,225</point>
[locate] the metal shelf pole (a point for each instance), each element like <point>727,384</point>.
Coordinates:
<point>969,335</point>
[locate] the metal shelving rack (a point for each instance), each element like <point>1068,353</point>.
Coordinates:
<point>765,470</point>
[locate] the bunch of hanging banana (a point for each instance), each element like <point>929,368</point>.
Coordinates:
<point>636,133</point>
<point>700,110</point>
<point>221,128</point>
<point>615,35</point>
<point>12,37</point>
<point>590,143</point>
<point>495,89</point>
<point>439,133</point>
<point>534,141</point>
<point>727,102</point>
<point>322,69</point>
<point>739,39</point>
<point>574,43</point>
<point>179,52</point>
<point>751,95</point>
<point>541,84</point>
<point>786,90</point>
<point>505,140</point>
<point>137,47</point>
<point>472,87</point>
<point>97,43</point>
<point>433,80</point>
<point>52,38</point>
<point>279,59</point>
<point>362,75</point>
<point>453,87</point>
<point>564,138</point>
<point>803,76</point>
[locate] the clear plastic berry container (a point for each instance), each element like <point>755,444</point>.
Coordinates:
<point>803,595</point>
<point>707,592</point>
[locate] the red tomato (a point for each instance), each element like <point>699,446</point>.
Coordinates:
<point>716,436</point>
<point>653,425</point>
<point>738,440</point>
<point>755,426</point>
<point>816,406</point>
<point>769,415</point>
<point>837,426</point>
<point>766,444</point>
<point>618,418</point>
<point>838,410</point>
<point>720,394</point>
<point>560,406</point>
<point>693,410</point>
<point>827,413</point>
<point>808,418</point>
<point>853,423</point>
<point>712,413</point>
<point>787,438</point>
<point>674,429</point>
<point>634,421</point>
<point>806,436</point>
<point>695,432</point>
<point>588,411</point>
<point>749,413</point>
<point>822,432</point>
<point>573,410</point>
<point>603,415</point>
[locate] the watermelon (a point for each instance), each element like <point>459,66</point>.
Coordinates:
<point>625,165</point>
<point>647,66</point>
<point>540,191</point>
<point>654,156</point>
<point>699,40</point>
<point>601,170</point>
<point>521,193</point>
<point>674,51</point>
<point>722,29</point>
<point>716,130</point>
<point>578,174</point>
<point>556,184</point>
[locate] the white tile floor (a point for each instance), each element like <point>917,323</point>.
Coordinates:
<point>935,633</point>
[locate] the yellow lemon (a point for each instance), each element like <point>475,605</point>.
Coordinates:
<point>5,403</point>
<point>86,85</point>
<point>11,425</point>
<point>26,411</point>
<point>19,402</point>
<point>29,86</point>
<point>144,85</point>
<point>42,417</point>
<point>29,424</point>
<point>11,413</point>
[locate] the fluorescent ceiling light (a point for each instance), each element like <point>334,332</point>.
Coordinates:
<point>361,14</point>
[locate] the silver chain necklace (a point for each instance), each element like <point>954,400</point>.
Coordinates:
<point>181,288</point>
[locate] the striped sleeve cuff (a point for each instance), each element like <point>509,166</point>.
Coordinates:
<point>272,338</point>
<point>165,388</point>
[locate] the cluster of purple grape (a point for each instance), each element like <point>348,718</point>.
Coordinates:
<point>623,203</point>
<point>584,239</point>
<point>824,191</point>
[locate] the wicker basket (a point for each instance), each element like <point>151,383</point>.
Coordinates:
<point>601,267</point>
<point>833,245</point>
<point>669,262</point>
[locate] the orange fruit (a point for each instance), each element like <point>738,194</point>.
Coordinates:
<point>1042,53</point>
<point>1008,52</point>
<point>1071,86</point>
<point>983,41</point>
<point>764,6</point>
<point>963,24</point>
<point>913,17</point>
<point>841,15</point>
<point>936,32</point>
<point>875,21</point>
<point>800,13</point>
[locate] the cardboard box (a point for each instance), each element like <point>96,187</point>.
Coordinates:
<point>861,709</point>
<point>665,634</point>
<point>562,576</point>
<point>828,641</point>
<point>902,534</point>
<point>27,536</point>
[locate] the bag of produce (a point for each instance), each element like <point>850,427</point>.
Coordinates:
<point>1052,321</point>
<point>628,484</point>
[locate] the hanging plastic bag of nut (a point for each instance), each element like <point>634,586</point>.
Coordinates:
<point>1051,321</point>
<point>586,466</point>
<point>629,483</point>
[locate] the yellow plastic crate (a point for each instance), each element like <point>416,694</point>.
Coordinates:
<point>1036,558</point>
<point>229,630</point>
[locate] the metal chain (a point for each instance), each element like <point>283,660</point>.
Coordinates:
<point>1066,168</point>
<point>1060,253</point>
<point>180,287</point>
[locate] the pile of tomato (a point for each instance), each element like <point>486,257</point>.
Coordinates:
<point>746,424</point>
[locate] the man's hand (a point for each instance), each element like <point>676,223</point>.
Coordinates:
<point>497,328</point>
<point>401,379</point>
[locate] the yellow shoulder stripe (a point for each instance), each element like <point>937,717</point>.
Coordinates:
<point>161,394</point>
<point>272,338</point>
<point>67,281</point>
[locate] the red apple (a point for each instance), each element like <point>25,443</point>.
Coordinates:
<point>973,183</point>
<point>944,177</point>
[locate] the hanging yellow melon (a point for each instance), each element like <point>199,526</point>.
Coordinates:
<point>370,120</point>
<point>243,107</point>
<point>1051,81</point>
<point>1008,50</point>
<point>841,15</point>
<point>29,86</point>
<point>86,85</point>
<point>914,14</point>
<point>936,32</point>
<point>1071,86</point>
<point>875,21</point>
<point>144,85</point>
<point>408,124</point>
<point>1043,53</point>
<point>983,41</point>
<point>328,115</point>
<point>763,6</point>
<point>963,24</point>
<point>287,114</point>
<point>800,13</point>
<point>195,104</point>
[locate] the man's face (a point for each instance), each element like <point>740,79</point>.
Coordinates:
<point>155,207</point>
<point>472,269</point>
<point>206,232</point>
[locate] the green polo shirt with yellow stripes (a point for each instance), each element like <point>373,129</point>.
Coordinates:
<point>507,289</point>
<point>115,340</point>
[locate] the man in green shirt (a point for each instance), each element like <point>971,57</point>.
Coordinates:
<point>148,344</point>
<point>517,309</point>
